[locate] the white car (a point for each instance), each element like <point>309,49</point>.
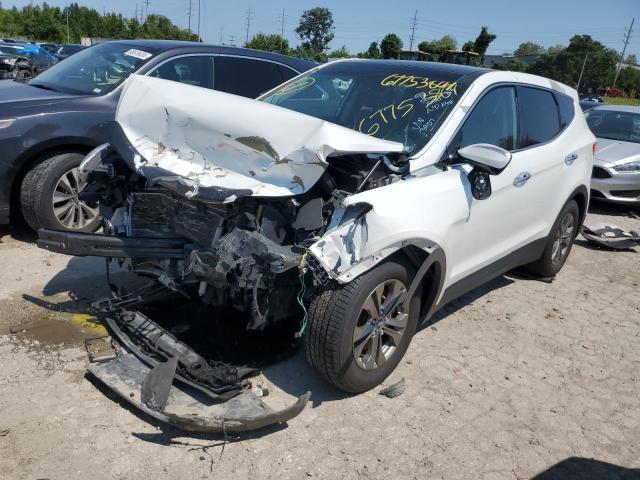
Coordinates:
<point>616,166</point>
<point>360,197</point>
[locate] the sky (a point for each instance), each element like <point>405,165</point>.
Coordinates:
<point>359,22</point>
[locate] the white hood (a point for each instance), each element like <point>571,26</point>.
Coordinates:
<point>218,140</point>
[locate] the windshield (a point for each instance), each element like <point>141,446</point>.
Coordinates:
<point>95,70</point>
<point>614,125</point>
<point>398,101</point>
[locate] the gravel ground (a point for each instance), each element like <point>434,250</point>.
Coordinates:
<point>518,379</point>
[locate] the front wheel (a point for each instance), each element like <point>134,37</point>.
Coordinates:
<point>49,196</point>
<point>357,332</point>
<point>559,242</point>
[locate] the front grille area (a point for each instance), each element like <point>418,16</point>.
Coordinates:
<point>599,172</point>
<point>625,193</point>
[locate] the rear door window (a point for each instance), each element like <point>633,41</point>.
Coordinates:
<point>539,120</point>
<point>248,77</point>
<point>194,70</point>
<point>493,120</point>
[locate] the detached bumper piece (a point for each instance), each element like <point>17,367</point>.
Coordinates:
<point>611,236</point>
<point>90,244</point>
<point>161,376</point>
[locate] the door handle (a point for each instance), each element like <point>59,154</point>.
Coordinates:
<point>569,159</point>
<point>521,179</point>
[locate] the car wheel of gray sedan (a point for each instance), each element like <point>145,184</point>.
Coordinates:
<point>358,332</point>
<point>49,196</point>
<point>559,242</point>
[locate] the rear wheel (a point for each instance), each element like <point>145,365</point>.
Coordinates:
<point>358,332</point>
<point>49,196</point>
<point>559,242</point>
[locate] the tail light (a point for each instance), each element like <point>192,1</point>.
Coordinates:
<point>594,148</point>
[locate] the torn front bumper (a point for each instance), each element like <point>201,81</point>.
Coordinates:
<point>167,390</point>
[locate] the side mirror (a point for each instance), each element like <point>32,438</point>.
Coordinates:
<point>486,157</point>
<point>486,160</point>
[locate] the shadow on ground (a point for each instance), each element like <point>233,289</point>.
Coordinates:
<point>576,468</point>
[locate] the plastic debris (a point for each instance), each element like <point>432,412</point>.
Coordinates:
<point>394,390</point>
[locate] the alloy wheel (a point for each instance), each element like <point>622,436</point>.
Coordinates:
<point>71,212</point>
<point>562,240</point>
<point>380,326</point>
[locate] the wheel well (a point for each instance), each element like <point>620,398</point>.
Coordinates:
<point>431,281</point>
<point>31,162</point>
<point>581,199</point>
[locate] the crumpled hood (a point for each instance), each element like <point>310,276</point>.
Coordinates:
<point>616,151</point>
<point>217,146</point>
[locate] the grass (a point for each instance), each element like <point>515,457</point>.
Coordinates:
<point>622,101</point>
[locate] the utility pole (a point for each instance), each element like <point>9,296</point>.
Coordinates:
<point>248,24</point>
<point>68,35</point>
<point>282,33</point>
<point>627,37</point>
<point>221,37</point>
<point>189,14</point>
<point>232,40</point>
<point>413,30</point>
<point>199,39</point>
<point>582,71</point>
<point>146,10</point>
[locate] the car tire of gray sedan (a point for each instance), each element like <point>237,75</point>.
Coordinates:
<point>49,196</point>
<point>356,333</point>
<point>559,242</point>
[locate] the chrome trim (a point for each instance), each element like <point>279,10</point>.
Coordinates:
<point>569,159</point>
<point>521,179</point>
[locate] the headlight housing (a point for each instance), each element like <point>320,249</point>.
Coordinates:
<point>631,167</point>
<point>8,61</point>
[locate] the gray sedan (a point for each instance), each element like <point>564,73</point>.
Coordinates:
<point>616,166</point>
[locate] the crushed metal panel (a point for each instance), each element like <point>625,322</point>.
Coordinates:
<point>215,140</point>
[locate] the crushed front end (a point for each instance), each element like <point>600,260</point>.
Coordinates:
<point>221,208</point>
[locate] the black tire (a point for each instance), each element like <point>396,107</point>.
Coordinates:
<point>37,190</point>
<point>333,315</point>
<point>549,264</point>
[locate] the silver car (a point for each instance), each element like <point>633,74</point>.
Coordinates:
<point>616,165</point>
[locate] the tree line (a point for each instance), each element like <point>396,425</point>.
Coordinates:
<point>49,24</point>
<point>584,59</point>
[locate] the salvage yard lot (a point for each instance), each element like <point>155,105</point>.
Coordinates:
<point>507,382</point>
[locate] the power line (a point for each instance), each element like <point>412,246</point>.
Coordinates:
<point>413,30</point>
<point>627,37</point>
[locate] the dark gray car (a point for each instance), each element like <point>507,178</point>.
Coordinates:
<point>48,125</point>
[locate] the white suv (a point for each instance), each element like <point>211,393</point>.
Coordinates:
<point>360,197</point>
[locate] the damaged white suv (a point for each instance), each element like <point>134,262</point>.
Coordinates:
<point>359,197</point>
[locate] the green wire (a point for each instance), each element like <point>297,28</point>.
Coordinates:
<point>300,299</point>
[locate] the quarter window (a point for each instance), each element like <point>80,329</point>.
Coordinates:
<point>565,106</point>
<point>245,76</point>
<point>539,121</point>
<point>493,120</point>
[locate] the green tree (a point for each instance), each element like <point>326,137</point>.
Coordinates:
<point>514,65</point>
<point>437,47</point>
<point>632,59</point>
<point>482,41</point>
<point>555,48</point>
<point>629,81</point>
<point>316,29</point>
<point>269,43</point>
<point>468,46</point>
<point>372,52</point>
<point>565,65</point>
<point>528,48</point>
<point>342,52</point>
<point>391,46</point>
